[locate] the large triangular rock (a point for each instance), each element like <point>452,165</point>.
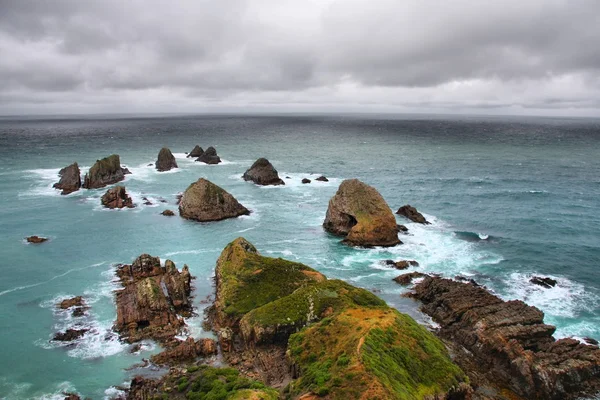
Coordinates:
<point>196,152</point>
<point>166,160</point>
<point>204,201</point>
<point>263,173</point>
<point>105,172</point>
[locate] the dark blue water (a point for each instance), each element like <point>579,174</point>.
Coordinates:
<point>508,197</point>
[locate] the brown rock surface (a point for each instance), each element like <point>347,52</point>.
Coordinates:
<point>406,279</point>
<point>70,179</point>
<point>411,213</point>
<point>36,239</point>
<point>166,160</point>
<point>358,212</point>
<point>402,264</point>
<point>116,197</point>
<point>186,350</point>
<point>204,201</point>
<point>105,172</point>
<point>508,343</point>
<point>263,173</point>
<point>168,213</point>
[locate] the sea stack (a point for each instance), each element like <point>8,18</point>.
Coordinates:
<point>117,197</point>
<point>70,179</point>
<point>358,212</point>
<point>263,173</point>
<point>204,201</point>
<point>196,152</point>
<point>166,160</point>
<point>105,172</point>
<point>209,156</point>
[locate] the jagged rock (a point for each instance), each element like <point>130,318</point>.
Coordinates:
<point>263,173</point>
<point>36,239</point>
<point>69,335</point>
<point>358,212</point>
<point>204,201</point>
<point>72,302</point>
<point>70,179</point>
<point>105,172</point>
<point>168,213</point>
<point>166,160</point>
<point>322,178</point>
<point>186,350</point>
<point>209,156</point>
<point>402,264</point>
<point>507,343</point>
<point>196,152</point>
<point>117,197</point>
<point>406,279</point>
<point>411,213</point>
<point>153,299</point>
<point>305,180</point>
<point>543,281</point>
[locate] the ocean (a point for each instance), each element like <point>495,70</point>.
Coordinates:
<point>508,198</point>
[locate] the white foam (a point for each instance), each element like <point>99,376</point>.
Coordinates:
<point>483,236</point>
<point>114,393</point>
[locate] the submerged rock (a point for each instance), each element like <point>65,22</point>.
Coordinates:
<point>70,179</point>
<point>543,281</point>
<point>322,178</point>
<point>204,201</point>
<point>36,239</point>
<point>263,173</point>
<point>69,335</point>
<point>105,172</point>
<point>411,213</point>
<point>116,197</point>
<point>196,152</point>
<point>358,212</point>
<point>209,156</point>
<point>153,300</point>
<point>166,160</point>
<point>506,344</point>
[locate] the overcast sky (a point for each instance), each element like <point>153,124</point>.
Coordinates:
<point>461,56</point>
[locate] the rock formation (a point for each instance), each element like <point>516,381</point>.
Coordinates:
<point>281,320</point>
<point>196,152</point>
<point>186,350</point>
<point>204,201</point>
<point>411,213</point>
<point>70,179</point>
<point>544,282</point>
<point>168,213</point>
<point>305,180</point>
<point>116,197</point>
<point>209,156</point>
<point>322,178</point>
<point>36,239</point>
<point>402,264</point>
<point>76,303</point>
<point>407,279</point>
<point>153,299</point>
<point>166,160</point>
<point>263,173</point>
<point>358,212</point>
<point>69,335</point>
<point>506,344</point>
<point>105,172</point>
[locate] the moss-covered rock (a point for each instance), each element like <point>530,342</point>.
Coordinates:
<point>204,201</point>
<point>358,212</point>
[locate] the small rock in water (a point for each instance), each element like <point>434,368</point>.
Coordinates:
<point>69,335</point>
<point>263,173</point>
<point>590,340</point>
<point>168,213</point>
<point>402,228</point>
<point>411,213</point>
<point>322,178</point>
<point>406,279</point>
<point>72,302</point>
<point>543,281</point>
<point>305,180</point>
<point>36,239</point>
<point>196,152</point>
<point>117,197</point>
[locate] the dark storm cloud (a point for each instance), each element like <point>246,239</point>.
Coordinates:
<point>464,54</point>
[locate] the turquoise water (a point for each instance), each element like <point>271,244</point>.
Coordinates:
<point>508,198</point>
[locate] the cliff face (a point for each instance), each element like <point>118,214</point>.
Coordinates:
<point>358,212</point>
<point>287,323</point>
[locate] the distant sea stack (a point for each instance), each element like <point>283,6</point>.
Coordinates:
<point>209,156</point>
<point>204,201</point>
<point>263,173</point>
<point>166,160</point>
<point>196,152</point>
<point>358,212</point>
<point>105,172</point>
<point>70,179</point>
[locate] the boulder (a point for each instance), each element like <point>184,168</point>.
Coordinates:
<point>544,282</point>
<point>168,213</point>
<point>305,180</point>
<point>209,156</point>
<point>322,178</point>
<point>117,197</point>
<point>196,152</point>
<point>411,213</point>
<point>166,160</point>
<point>263,173</point>
<point>358,212</point>
<point>36,239</point>
<point>506,344</point>
<point>69,335</point>
<point>105,172</point>
<point>153,300</point>
<point>204,201</point>
<point>70,179</point>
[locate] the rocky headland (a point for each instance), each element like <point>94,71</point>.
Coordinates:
<point>360,214</point>
<point>263,173</point>
<point>204,201</point>
<point>70,179</point>
<point>166,160</point>
<point>105,172</point>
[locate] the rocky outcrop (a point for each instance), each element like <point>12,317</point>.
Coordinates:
<point>186,350</point>
<point>166,160</point>
<point>69,335</point>
<point>411,213</point>
<point>358,212</point>
<point>168,213</point>
<point>70,179</point>
<point>117,197</point>
<point>263,173</point>
<point>153,300</point>
<point>36,239</point>
<point>322,178</point>
<point>105,172</point>
<point>544,282</point>
<point>197,151</point>
<point>204,201</point>
<point>507,344</point>
<point>407,279</point>
<point>76,303</point>
<point>209,156</point>
<point>281,320</point>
